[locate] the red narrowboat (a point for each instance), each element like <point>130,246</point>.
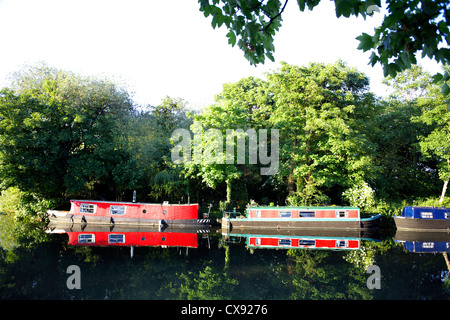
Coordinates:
<point>128,213</point>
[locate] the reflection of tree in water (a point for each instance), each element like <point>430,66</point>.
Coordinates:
<point>320,274</point>
<point>208,284</point>
<point>37,270</point>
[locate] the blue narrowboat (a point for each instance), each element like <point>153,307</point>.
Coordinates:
<point>424,219</point>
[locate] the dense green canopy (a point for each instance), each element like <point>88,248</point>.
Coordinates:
<point>311,134</point>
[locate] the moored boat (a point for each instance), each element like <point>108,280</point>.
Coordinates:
<point>128,213</point>
<point>300,217</point>
<point>423,219</point>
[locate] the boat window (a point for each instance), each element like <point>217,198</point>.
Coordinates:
<point>341,214</point>
<point>86,238</point>
<point>284,214</point>
<point>116,238</point>
<point>426,214</point>
<point>258,213</point>
<point>428,245</point>
<point>120,210</point>
<point>284,242</point>
<point>307,214</point>
<point>88,208</point>
<point>306,242</point>
<point>258,241</point>
<point>341,244</point>
<point>447,215</point>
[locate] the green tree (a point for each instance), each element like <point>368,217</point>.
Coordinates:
<point>437,142</point>
<point>62,134</point>
<point>403,172</point>
<point>149,140</point>
<point>316,110</point>
<point>241,106</point>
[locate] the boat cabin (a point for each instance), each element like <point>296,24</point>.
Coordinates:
<point>133,210</point>
<point>426,212</point>
<point>303,212</point>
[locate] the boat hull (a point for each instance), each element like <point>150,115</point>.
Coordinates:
<point>406,223</point>
<point>77,219</point>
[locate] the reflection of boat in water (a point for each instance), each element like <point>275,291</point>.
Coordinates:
<point>160,239</point>
<point>128,213</point>
<point>424,219</point>
<point>299,239</point>
<point>126,236</point>
<point>424,242</point>
<point>300,217</point>
<point>289,242</point>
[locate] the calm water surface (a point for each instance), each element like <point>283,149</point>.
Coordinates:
<point>206,264</point>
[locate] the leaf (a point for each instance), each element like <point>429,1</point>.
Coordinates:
<point>445,89</point>
<point>405,58</point>
<point>365,42</point>
<point>231,38</point>
<point>391,69</point>
<point>301,4</point>
<point>270,56</point>
<point>345,8</point>
<point>373,59</point>
<point>437,77</point>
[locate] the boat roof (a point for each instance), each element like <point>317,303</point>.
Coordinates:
<point>138,203</point>
<point>306,208</point>
<point>419,212</point>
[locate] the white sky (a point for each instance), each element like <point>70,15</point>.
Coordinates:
<point>168,47</point>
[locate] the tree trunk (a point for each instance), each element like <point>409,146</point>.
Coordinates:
<point>291,184</point>
<point>444,188</point>
<point>446,261</point>
<point>228,191</point>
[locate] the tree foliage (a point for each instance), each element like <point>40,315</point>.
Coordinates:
<point>409,27</point>
<point>437,142</point>
<point>63,135</point>
<point>316,108</point>
<point>150,145</point>
<point>241,106</point>
<point>60,133</point>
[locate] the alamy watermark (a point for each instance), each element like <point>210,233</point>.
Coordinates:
<point>74,280</point>
<point>372,8</point>
<point>208,147</point>
<point>374,280</point>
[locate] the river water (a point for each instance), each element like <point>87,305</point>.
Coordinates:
<point>203,264</point>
